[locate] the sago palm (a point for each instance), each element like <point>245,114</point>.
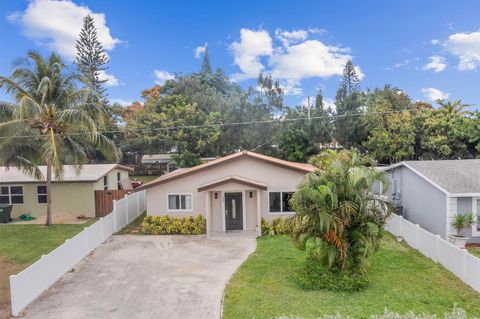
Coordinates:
<point>49,122</point>
<point>338,211</point>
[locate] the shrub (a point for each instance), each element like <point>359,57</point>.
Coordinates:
<point>167,225</point>
<point>266,227</point>
<point>281,226</point>
<point>314,276</point>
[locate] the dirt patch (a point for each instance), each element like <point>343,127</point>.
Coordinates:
<point>61,218</point>
<point>7,268</point>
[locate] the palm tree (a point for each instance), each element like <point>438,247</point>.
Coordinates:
<point>49,122</point>
<point>338,212</point>
<point>453,108</point>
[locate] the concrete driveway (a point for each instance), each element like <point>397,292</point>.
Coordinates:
<point>148,277</point>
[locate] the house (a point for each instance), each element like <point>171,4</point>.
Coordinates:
<point>232,192</point>
<point>431,192</point>
<point>165,162</point>
<point>73,194</point>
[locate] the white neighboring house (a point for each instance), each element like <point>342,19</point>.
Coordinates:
<point>73,194</point>
<point>431,192</point>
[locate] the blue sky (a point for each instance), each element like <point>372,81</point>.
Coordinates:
<point>430,49</point>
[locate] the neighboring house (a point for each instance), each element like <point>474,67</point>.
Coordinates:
<point>165,161</point>
<point>233,192</point>
<point>73,194</point>
<point>431,192</point>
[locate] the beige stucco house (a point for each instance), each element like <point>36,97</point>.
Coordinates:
<point>73,194</point>
<point>232,192</point>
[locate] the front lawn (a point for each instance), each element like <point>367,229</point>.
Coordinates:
<point>474,250</point>
<point>401,280</point>
<point>22,245</point>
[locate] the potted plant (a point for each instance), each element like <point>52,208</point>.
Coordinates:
<point>461,223</point>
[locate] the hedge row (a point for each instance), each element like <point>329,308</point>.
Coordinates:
<point>167,225</point>
<point>279,226</point>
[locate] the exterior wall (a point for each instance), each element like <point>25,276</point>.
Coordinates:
<point>276,178</point>
<point>74,198</point>
<point>422,202</point>
<point>112,179</point>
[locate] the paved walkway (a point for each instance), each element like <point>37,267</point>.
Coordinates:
<point>148,277</point>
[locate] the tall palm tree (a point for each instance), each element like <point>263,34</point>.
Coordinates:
<point>49,122</point>
<point>338,211</point>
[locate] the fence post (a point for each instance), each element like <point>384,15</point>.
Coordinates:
<point>114,212</point>
<point>437,248</point>
<point>126,210</point>
<point>13,295</point>
<point>138,203</point>
<point>464,264</point>
<point>400,227</point>
<point>417,229</point>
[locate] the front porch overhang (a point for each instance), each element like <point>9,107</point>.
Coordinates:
<point>234,179</point>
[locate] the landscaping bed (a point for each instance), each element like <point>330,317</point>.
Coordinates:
<point>400,280</point>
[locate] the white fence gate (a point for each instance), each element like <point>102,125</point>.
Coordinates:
<point>461,263</point>
<point>27,285</point>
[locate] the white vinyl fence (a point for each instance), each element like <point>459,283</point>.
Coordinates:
<point>27,285</point>
<point>461,263</point>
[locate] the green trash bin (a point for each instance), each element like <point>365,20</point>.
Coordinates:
<point>5,211</point>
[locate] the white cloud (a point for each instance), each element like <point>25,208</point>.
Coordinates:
<point>247,52</point>
<point>437,64</point>
<point>434,94</point>
<point>57,24</point>
<point>292,58</point>
<point>122,102</point>
<point>288,37</point>
<point>162,76</point>
<point>435,41</point>
<point>466,47</point>
<point>111,79</point>
<point>199,51</point>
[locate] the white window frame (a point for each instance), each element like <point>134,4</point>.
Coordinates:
<point>105,180</point>
<point>36,188</point>
<point>180,210</point>
<point>281,201</point>
<point>476,211</point>
<point>10,194</point>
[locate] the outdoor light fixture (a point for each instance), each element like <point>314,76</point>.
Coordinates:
<point>251,194</point>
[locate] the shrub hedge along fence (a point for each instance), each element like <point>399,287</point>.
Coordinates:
<point>167,225</point>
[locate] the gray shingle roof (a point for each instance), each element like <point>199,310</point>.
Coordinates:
<point>454,176</point>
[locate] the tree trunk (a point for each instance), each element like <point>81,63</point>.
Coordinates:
<point>49,193</point>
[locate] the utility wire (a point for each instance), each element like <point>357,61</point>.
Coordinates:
<point>279,120</point>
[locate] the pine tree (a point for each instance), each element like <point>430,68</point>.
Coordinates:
<point>349,130</point>
<point>206,67</point>
<point>91,58</point>
<point>350,82</point>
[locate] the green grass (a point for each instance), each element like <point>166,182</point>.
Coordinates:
<point>24,244</point>
<point>144,179</point>
<point>133,225</point>
<point>474,251</point>
<point>401,280</point>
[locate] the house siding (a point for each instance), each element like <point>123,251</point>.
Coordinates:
<point>72,198</point>
<point>422,202</point>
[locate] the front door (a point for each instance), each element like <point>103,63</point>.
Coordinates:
<point>233,211</point>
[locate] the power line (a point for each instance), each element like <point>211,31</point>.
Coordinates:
<point>278,120</point>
